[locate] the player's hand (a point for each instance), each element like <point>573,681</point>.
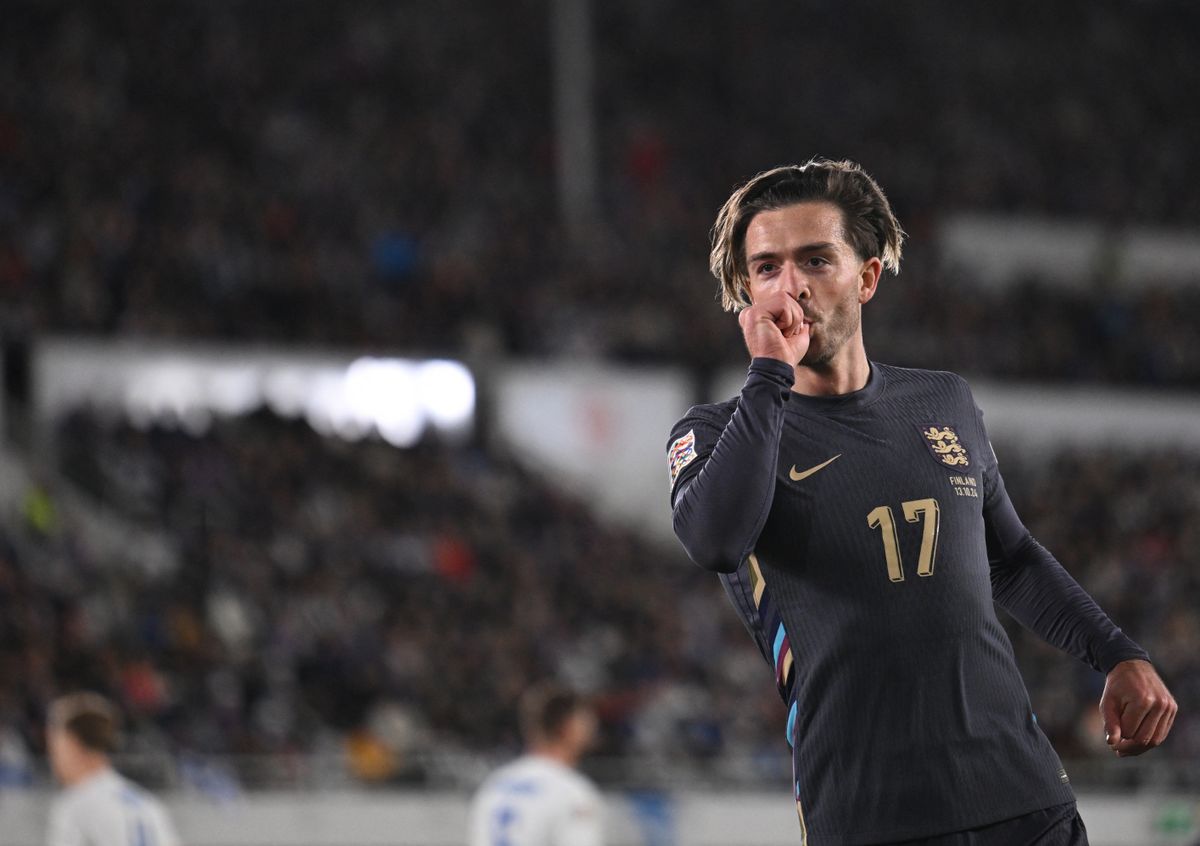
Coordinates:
<point>1137,708</point>
<point>774,327</point>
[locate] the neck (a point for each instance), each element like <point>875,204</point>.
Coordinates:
<point>85,770</point>
<point>845,373</point>
<point>555,752</point>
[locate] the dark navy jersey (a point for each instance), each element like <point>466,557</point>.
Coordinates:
<point>862,539</point>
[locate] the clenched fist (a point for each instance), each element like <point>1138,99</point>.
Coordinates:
<point>1137,708</point>
<point>775,327</point>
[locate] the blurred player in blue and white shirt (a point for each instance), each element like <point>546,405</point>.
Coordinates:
<point>540,799</point>
<point>99,807</point>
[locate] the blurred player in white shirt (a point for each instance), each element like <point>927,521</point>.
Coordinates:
<point>540,799</point>
<point>99,807</point>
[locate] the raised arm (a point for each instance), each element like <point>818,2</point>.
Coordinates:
<point>724,478</point>
<point>723,474</point>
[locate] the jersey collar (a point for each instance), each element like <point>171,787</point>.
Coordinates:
<point>843,402</point>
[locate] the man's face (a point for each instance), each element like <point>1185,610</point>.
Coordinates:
<point>579,731</point>
<point>801,250</point>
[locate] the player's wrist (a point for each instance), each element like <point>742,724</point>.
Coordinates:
<point>766,347</point>
<point>773,355</point>
<point>776,369</point>
<point>1124,661</point>
<point>1112,662</point>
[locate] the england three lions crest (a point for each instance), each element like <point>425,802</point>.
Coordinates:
<point>943,443</point>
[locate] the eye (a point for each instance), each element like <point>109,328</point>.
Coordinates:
<point>765,267</point>
<point>817,261</point>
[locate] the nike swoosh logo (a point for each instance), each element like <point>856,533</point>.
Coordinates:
<point>796,477</point>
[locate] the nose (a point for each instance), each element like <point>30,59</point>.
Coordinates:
<point>795,282</point>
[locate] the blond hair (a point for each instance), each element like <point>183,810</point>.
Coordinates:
<point>868,224</point>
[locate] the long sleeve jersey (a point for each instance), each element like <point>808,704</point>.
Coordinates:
<point>863,540</point>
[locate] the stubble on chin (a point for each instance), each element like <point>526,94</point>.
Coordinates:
<point>815,358</point>
<point>833,336</point>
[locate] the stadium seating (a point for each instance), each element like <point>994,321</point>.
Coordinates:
<point>365,177</point>
<point>379,177</point>
<point>392,602</point>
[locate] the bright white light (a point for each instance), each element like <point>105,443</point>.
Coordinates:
<point>350,428</point>
<point>396,398</point>
<point>384,392</point>
<point>448,393</point>
<point>401,432</point>
<point>233,391</point>
<point>285,390</point>
<point>325,402</point>
<point>162,390</point>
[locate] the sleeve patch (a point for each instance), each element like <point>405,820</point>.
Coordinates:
<point>681,453</point>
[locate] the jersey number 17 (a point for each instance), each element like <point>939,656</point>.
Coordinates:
<point>924,511</point>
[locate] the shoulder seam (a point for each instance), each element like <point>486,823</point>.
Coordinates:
<point>711,411</point>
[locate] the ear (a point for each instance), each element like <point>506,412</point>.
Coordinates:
<point>868,279</point>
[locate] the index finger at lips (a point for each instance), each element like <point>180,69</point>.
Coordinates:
<point>796,315</point>
<point>777,303</point>
<point>785,319</point>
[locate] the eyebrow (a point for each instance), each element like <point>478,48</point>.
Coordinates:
<point>807,248</point>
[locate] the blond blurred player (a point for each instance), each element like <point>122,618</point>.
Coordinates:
<point>540,799</point>
<point>98,807</point>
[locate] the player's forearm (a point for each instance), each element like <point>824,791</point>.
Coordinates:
<point>1033,587</point>
<point>719,512</point>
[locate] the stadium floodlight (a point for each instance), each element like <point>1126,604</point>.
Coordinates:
<point>384,394</point>
<point>448,391</point>
<point>232,391</point>
<point>162,391</point>
<point>398,399</point>
<point>285,390</point>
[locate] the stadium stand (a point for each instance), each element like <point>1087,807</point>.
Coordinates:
<point>380,176</point>
<point>326,585</point>
<point>384,176</point>
<point>385,603</point>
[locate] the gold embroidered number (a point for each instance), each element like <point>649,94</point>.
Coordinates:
<point>915,511</point>
<point>882,517</point>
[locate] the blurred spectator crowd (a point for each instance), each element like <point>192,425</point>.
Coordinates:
<point>383,605</point>
<point>382,174</point>
<point>1125,524</point>
<point>364,600</point>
